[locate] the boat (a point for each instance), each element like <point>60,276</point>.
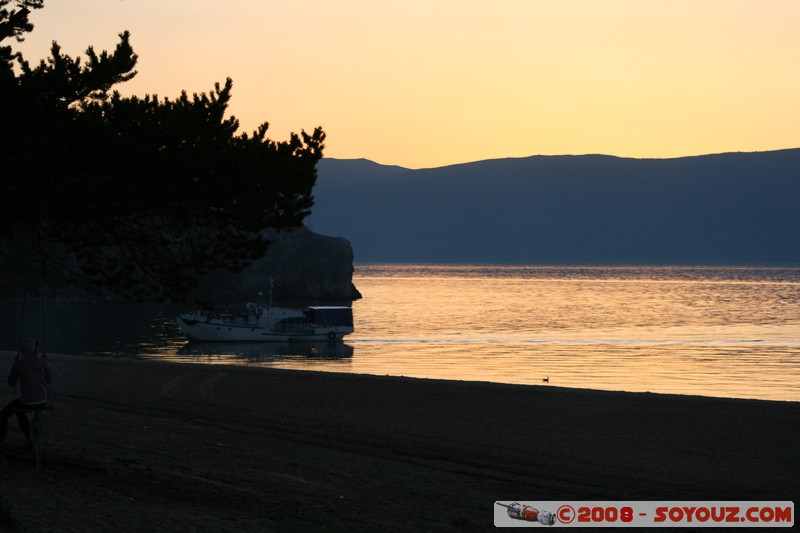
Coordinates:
<point>268,324</point>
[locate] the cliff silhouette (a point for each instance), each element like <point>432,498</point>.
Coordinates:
<point>733,208</point>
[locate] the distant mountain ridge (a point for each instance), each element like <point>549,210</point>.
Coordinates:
<point>734,208</point>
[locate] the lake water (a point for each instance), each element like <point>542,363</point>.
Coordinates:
<point>714,331</point>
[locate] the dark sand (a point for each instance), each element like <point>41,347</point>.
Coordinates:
<point>145,446</point>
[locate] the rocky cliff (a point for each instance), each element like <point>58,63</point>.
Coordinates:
<point>302,268</point>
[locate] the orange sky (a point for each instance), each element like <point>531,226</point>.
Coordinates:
<point>423,83</point>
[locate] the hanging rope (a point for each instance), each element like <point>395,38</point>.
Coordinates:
<point>44,335</point>
<point>19,341</point>
<point>21,325</point>
<point>44,350</point>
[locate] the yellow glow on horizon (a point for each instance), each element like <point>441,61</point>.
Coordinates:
<point>421,84</point>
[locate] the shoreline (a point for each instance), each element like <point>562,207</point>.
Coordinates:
<point>233,362</point>
<point>150,444</point>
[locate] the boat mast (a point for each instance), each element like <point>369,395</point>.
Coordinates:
<point>269,303</point>
<point>271,283</point>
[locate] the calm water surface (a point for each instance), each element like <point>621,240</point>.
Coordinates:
<point>731,332</point>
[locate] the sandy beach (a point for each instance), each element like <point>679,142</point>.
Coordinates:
<point>141,446</point>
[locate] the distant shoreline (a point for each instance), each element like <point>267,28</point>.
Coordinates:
<point>718,209</point>
<point>586,265</point>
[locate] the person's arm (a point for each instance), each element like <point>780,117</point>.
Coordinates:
<point>48,374</point>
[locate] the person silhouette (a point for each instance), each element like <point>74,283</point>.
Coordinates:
<point>33,372</point>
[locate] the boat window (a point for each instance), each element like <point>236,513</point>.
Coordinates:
<point>291,325</point>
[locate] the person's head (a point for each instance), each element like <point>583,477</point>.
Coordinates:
<point>30,347</point>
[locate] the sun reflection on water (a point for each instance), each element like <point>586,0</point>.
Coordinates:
<point>732,332</point>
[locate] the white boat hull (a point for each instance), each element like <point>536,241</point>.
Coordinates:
<point>269,325</point>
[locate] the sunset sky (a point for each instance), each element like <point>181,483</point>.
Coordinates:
<point>425,83</point>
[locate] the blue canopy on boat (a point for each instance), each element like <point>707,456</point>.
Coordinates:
<point>330,316</point>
